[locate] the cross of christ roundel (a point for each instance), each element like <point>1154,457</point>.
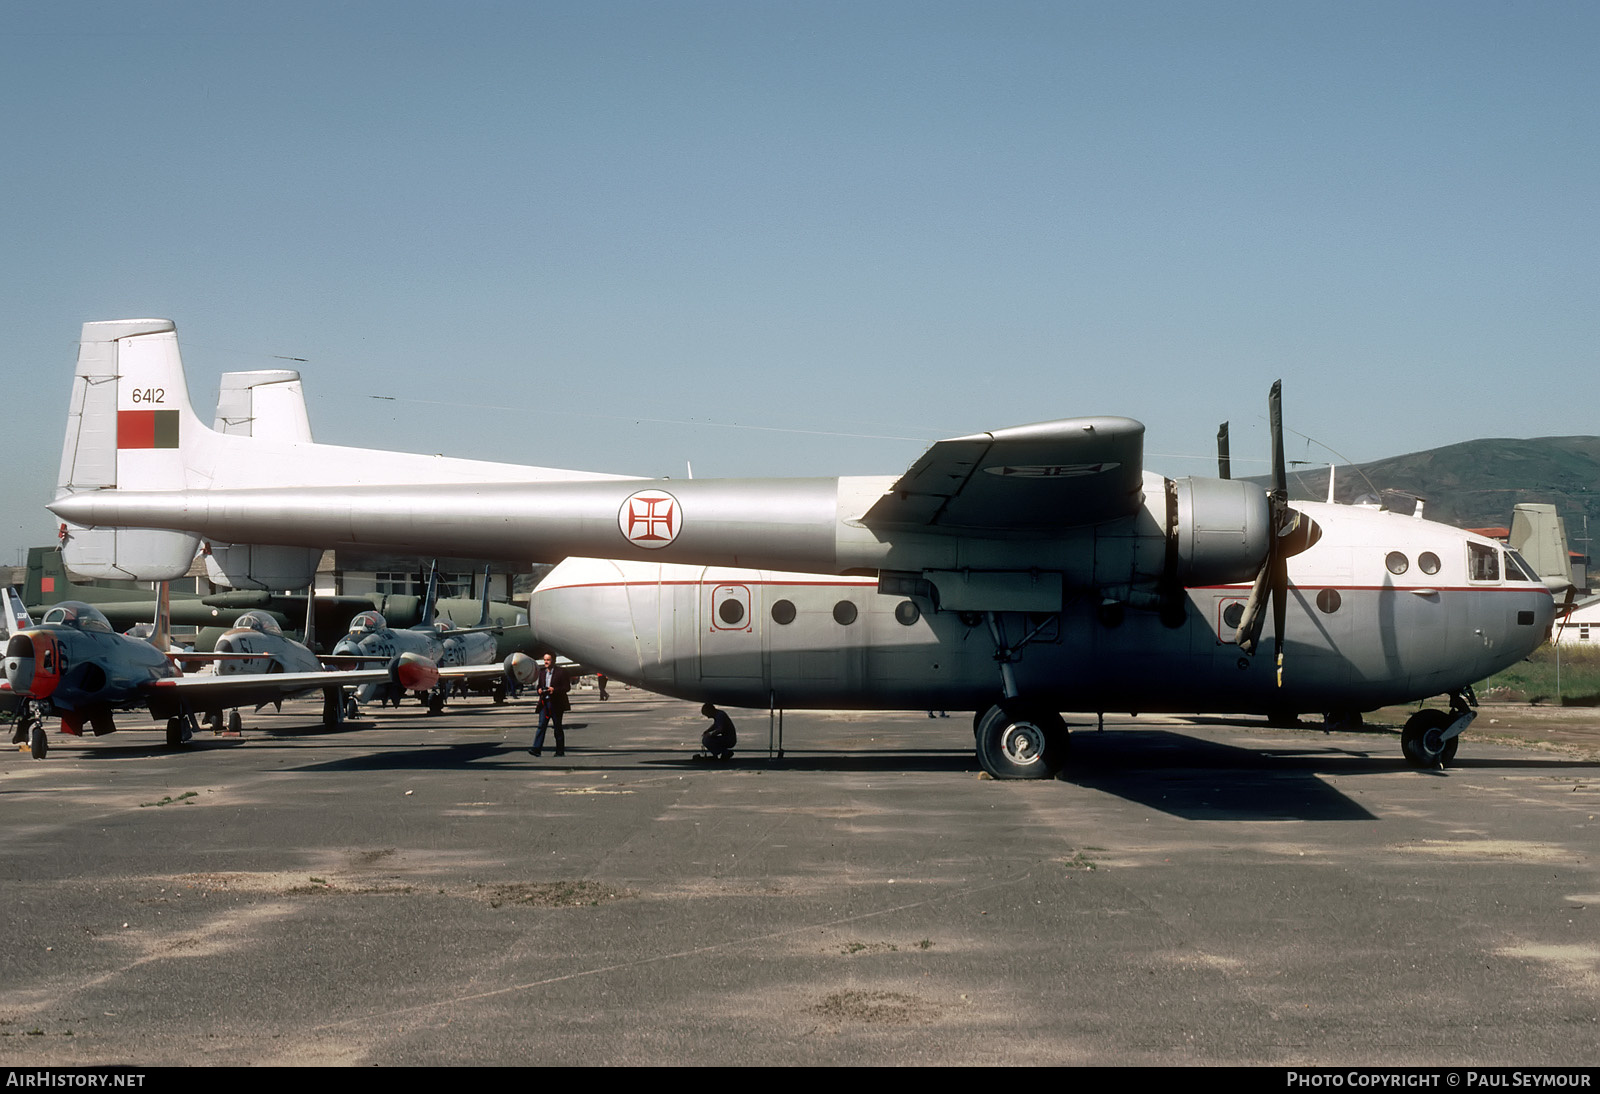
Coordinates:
<point>650,519</point>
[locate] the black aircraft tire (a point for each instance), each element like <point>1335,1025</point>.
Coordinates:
<point>1021,742</point>
<point>175,732</point>
<point>38,741</point>
<point>1419,740</point>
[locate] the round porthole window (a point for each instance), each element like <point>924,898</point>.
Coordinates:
<point>1397,563</point>
<point>783,612</point>
<point>731,612</point>
<point>844,613</point>
<point>1232,614</point>
<point>1428,562</point>
<point>1328,601</point>
<point>906,612</point>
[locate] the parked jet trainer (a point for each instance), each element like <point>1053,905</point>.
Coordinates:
<point>1018,573</point>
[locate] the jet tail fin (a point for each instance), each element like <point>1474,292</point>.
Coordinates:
<point>161,631</point>
<point>47,577</point>
<point>483,613</point>
<point>432,598</point>
<point>128,425</point>
<point>1540,536</point>
<point>16,616</point>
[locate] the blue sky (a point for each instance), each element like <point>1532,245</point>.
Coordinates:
<point>807,238</point>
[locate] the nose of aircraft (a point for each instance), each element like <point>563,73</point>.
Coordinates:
<point>25,658</point>
<point>18,673</point>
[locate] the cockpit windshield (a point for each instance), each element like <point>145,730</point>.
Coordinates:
<point>1517,568</point>
<point>258,621</point>
<point>367,622</point>
<point>75,613</point>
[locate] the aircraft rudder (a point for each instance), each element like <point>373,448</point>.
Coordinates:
<point>1539,535</point>
<point>130,426</point>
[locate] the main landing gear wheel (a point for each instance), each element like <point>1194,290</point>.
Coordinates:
<point>38,741</point>
<point>1422,739</point>
<point>175,728</point>
<point>1021,742</point>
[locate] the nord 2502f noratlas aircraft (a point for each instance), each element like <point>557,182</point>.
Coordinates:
<point>1017,573</point>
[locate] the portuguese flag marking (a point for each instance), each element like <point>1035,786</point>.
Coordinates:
<point>147,429</point>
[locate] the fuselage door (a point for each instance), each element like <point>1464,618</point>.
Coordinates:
<point>730,629</point>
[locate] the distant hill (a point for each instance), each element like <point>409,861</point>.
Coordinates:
<point>1474,484</point>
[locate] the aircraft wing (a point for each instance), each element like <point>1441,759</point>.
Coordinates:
<point>1026,479</point>
<point>471,672</point>
<point>248,689</point>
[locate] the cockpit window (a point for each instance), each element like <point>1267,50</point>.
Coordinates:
<point>1483,563</point>
<point>1517,568</point>
<point>256,621</point>
<point>75,613</point>
<point>366,622</point>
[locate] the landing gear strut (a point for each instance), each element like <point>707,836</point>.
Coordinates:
<point>1017,739</point>
<point>30,728</point>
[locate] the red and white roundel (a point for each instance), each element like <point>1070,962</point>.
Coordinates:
<point>650,519</point>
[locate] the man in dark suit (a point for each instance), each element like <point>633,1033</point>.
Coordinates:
<point>553,684</point>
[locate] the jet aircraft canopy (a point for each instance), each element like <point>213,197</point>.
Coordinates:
<point>258,621</point>
<point>367,622</point>
<point>79,616</point>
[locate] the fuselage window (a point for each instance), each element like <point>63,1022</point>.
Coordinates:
<point>1232,614</point>
<point>1397,563</point>
<point>1483,563</point>
<point>783,612</point>
<point>1328,601</point>
<point>844,613</point>
<point>731,611</point>
<point>1428,562</point>
<point>906,612</point>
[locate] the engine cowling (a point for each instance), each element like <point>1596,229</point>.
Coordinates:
<point>1219,530</point>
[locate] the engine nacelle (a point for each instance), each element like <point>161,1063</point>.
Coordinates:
<point>1220,530</point>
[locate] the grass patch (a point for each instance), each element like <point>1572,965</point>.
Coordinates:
<point>1534,680</point>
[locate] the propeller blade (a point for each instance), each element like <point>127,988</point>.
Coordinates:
<point>1223,462</point>
<point>1284,522</point>
<point>1280,606</point>
<point>1280,476</point>
<point>1248,633</point>
<point>1272,581</point>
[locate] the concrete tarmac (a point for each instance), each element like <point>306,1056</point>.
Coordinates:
<point>420,890</point>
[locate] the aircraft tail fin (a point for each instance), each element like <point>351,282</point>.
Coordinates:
<point>16,616</point>
<point>47,577</point>
<point>311,617</point>
<point>129,427</point>
<point>161,631</point>
<point>483,614</point>
<point>268,405</point>
<point>1539,535</point>
<point>430,601</point>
